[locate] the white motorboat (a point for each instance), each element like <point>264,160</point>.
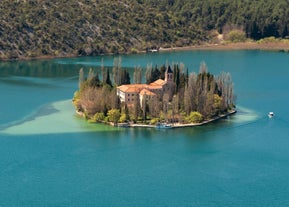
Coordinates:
<point>270,114</point>
<point>163,126</point>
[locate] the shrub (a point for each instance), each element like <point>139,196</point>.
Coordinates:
<point>113,115</point>
<point>134,51</point>
<point>123,118</point>
<point>268,40</point>
<point>195,117</point>
<point>98,117</point>
<point>154,121</point>
<point>236,36</point>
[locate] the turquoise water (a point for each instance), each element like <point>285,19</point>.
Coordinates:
<point>50,157</point>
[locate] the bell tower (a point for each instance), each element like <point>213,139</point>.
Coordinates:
<point>169,75</point>
<point>170,85</point>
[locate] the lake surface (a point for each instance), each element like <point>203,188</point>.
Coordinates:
<point>50,157</point>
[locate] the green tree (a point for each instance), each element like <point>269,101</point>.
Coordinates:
<point>107,78</point>
<point>98,117</point>
<point>155,74</point>
<point>176,77</point>
<point>149,71</point>
<point>236,36</point>
<point>94,81</point>
<point>65,28</point>
<point>125,78</point>
<point>195,117</point>
<point>123,118</point>
<point>113,116</point>
<point>126,112</point>
<point>217,104</point>
<point>162,72</point>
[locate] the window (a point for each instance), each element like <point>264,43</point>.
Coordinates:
<point>128,94</point>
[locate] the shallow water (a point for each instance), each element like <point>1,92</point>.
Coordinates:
<point>50,157</point>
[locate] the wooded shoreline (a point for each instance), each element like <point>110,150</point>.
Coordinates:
<point>173,125</point>
<point>180,125</point>
<point>252,45</point>
<point>272,46</point>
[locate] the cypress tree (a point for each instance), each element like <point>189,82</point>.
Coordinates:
<point>162,72</point>
<point>107,78</point>
<point>125,78</point>
<point>177,78</point>
<point>187,77</point>
<point>94,81</point>
<point>155,74</point>
<point>149,72</point>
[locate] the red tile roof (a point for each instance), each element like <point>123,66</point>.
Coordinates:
<point>132,88</point>
<point>136,88</point>
<point>147,92</point>
<point>159,82</point>
<point>152,87</point>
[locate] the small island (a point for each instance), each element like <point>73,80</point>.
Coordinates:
<point>170,97</point>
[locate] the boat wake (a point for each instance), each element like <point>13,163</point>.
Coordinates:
<point>245,115</point>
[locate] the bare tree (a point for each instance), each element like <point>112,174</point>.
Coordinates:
<point>90,74</point>
<point>209,107</point>
<point>166,102</point>
<point>90,100</point>
<point>149,72</point>
<point>103,72</point>
<point>225,87</point>
<point>203,68</point>
<point>81,77</point>
<point>137,75</point>
<point>117,70</point>
<point>175,106</point>
<point>190,94</point>
<point>135,111</point>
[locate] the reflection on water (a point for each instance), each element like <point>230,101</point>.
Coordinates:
<point>38,68</point>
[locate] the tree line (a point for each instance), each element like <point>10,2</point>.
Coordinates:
<point>258,18</point>
<point>195,97</point>
<point>34,28</point>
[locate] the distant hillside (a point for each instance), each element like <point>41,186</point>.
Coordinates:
<point>33,28</point>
